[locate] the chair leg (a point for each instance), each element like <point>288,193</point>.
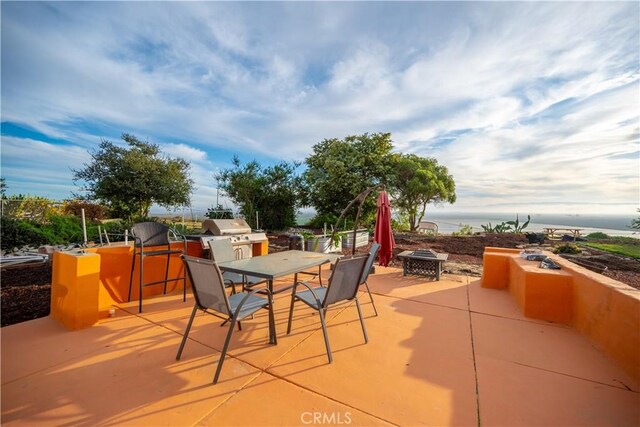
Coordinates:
<point>371,297</point>
<point>186,332</point>
<point>364,330</point>
<point>224,351</point>
<point>326,336</point>
<point>133,267</point>
<point>184,283</point>
<point>141,276</point>
<point>293,300</point>
<point>239,326</point>
<point>166,275</point>
<point>320,275</point>
<point>272,323</point>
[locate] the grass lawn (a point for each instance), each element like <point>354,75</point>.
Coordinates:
<point>628,250</point>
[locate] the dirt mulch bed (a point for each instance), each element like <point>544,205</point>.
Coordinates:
<point>26,291</point>
<point>25,302</point>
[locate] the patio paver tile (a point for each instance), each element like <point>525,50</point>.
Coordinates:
<point>516,395</point>
<point>449,291</point>
<point>416,369</point>
<point>284,404</point>
<point>126,384</point>
<point>50,343</point>
<point>547,347</point>
<point>252,343</point>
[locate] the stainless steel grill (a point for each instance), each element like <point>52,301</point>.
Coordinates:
<point>238,231</point>
<point>225,227</point>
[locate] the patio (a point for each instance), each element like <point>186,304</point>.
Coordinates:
<point>439,353</point>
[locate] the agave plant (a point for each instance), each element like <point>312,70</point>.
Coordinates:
<point>517,227</point>
<point>498,228</point>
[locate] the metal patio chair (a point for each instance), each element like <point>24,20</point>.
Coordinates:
<point>154,234</point>
<point>222,251</point>
<point>210,296</point>
<point>343,285</point>
<point>367,269</point>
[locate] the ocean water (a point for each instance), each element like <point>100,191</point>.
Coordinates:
<point>614,225</point>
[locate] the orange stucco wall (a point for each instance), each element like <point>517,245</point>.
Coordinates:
<point>86,285</point>
<point>75,289</point>
<point>115,270</point>
<point>603,309</point>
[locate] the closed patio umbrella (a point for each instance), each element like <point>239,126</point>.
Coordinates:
<point>383,234</point>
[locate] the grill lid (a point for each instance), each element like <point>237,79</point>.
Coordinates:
<point>225,227</point>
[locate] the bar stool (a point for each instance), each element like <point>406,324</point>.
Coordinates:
<point>154,234</point>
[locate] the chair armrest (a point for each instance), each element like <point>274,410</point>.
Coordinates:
<point>176,236</point>
<point>239,308</point>
<point>306,285</point>
<point>233,284</point>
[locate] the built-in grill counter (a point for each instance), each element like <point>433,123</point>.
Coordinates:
<point>245,242</point>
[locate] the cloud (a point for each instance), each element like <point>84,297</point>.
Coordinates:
<point>510,96</point>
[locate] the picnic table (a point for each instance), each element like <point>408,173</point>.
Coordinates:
<point>549,231</point>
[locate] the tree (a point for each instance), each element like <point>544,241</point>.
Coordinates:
<point>340,169</point>
<point>418,181</point>
<point>3,187</point>
<point>274,192</point>
<point>635,223</point>
<point>129,180</point>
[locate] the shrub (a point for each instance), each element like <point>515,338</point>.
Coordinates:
<point>17,233</point>
<point>464,230</point>
<point>63,229</point>
<point>92,211</point>
<point>219,213</point>
<point>319,220</point>
<point>498,228</point>
<point>29,207</point>
<point>567,248</point>
<point>597,236</point>
<point>58,230</point>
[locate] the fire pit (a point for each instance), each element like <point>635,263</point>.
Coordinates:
<point>423,262</point>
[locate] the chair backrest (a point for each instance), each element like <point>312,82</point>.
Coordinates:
<point>428,226</point>
<point>345,279</point>
<point>372,257</point>
<point>207,284</point>
<point>222,250</point>
<point>151,233</point>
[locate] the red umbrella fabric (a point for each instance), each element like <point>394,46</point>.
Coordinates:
<point>383,234</point>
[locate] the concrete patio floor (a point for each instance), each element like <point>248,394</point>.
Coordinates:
<point>439,353</point>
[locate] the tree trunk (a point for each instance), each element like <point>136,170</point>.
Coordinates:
<point>424,208</point>
<point>412,221</point>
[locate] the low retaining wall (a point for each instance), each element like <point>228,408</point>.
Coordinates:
<point>86,285</point>
<point>603,309</point>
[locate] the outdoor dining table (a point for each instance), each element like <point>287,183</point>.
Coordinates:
<point>279,264</point>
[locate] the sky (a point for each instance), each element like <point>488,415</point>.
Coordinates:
<point>533,107</point>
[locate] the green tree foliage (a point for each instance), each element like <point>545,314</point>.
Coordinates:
<point>418,181</point>
<point>635,223</point>
<point>340,169</point>
<point>274,192</point>
<point>130,179</point>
